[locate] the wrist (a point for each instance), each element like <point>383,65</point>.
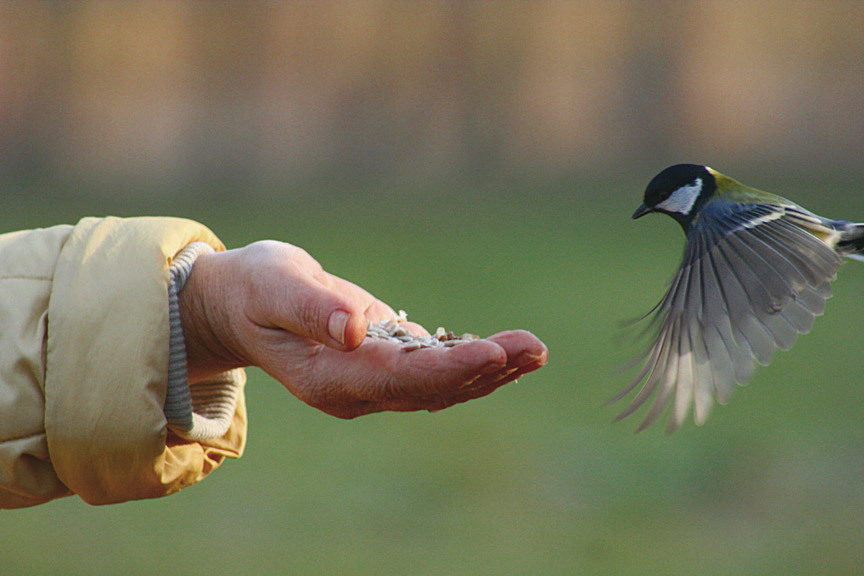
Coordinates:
<point>205,410</point>
<point>204,303</point>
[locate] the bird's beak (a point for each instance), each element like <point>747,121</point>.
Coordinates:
<point>641,211</point>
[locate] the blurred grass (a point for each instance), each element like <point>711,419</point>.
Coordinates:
<point>531,480</point>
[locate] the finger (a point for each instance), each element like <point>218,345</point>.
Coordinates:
<point>380,372</point>
<point>441,372</point>
<point>375,310</point>
<point>491,382</point>
<point>483,386</point>
<point>488,383</point>
<point>521,347</point>
<point>307,308</point>
<point>416,329</point>
<point>380,375</point>
<point>526,353</point>
<point>305,300</point>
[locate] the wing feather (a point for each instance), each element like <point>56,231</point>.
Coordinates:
<point>752,279</point>
<point>747,325</point>
<point>721,335</point>
<point>668,375</point>
<point>763,290</point>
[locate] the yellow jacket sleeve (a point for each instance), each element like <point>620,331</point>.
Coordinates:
<point>84,344</point>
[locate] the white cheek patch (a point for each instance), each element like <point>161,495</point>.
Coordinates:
<point>681,201</point>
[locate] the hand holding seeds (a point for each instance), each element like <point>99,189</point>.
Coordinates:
<point>272,305</point>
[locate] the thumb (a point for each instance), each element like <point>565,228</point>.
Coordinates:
<point>290,291</point>
<point>318,313</point>
<point>346,329</point>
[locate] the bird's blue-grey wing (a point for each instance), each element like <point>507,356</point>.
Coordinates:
<point>752,279</point>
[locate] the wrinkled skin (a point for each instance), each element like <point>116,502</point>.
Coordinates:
<point>272,305</point>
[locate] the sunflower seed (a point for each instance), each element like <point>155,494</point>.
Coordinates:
<point>392,331</point>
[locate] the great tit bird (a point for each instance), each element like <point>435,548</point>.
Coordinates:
<point>757,270</point>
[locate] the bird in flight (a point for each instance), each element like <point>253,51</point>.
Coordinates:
<point>756,271</point>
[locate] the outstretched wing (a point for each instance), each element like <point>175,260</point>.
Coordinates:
<point>752,279</point>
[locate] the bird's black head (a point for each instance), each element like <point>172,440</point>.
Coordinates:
<point>678,191</point>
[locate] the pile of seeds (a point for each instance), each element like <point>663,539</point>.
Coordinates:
<point>392,331</point>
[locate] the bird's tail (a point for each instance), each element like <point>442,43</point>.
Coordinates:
<point>851,242</point>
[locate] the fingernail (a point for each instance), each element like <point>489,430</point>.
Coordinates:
<point>336,325</point>
<point>527,358</point>
<point>493,366</point>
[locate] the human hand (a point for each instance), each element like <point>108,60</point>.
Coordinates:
<point>272,305</point>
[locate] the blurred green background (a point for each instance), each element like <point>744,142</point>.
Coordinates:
<point>475,164</point>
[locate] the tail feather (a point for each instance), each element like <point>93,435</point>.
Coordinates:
<point>851,242</point>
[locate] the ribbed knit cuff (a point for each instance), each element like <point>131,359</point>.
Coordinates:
<point>205,410</point>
